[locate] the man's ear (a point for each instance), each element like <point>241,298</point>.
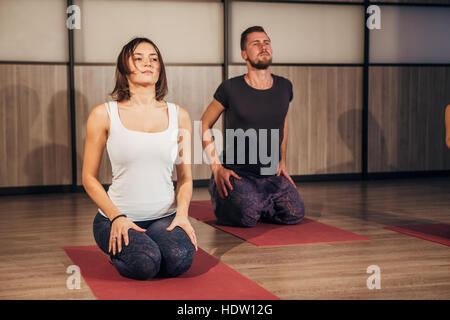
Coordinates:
<point>244,55</point>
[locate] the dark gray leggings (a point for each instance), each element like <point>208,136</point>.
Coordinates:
<point>270,199</point>
<point>154,253</point>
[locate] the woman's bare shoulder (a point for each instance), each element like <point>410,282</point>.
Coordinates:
<point>99,113</point>
<point>99,116</point>
<point>184,119</point>
<point>183,112</point>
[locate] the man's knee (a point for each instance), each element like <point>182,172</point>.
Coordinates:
<point>236,215</point>
<point>297,213</point>
<point>248,217</point>
<point>240,208</point>
<point>291,211</point>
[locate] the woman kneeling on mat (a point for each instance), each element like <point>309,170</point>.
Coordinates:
<point>142,223</point>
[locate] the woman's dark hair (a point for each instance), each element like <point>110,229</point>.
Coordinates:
<point>247,31</point>
<point>121,90</point>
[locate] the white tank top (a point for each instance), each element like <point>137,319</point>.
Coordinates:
<point>142,165</point>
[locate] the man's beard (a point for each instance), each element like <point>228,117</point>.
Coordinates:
<point>261,65</point>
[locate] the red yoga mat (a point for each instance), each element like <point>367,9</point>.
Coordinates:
<point>436,232</point>
<point>207,279</point>
<point>266,234</point>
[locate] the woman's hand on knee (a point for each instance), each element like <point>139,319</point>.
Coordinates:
<point>119,229</point>
<point>183,223</point>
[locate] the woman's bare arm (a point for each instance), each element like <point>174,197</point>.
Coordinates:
<point>183,166</point>
<point>184,177</point>
<point>96,135</point>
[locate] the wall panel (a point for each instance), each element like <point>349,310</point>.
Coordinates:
<point>406,118</point>
<point>33,30</point>
<point>184,31</point>
<point>413,1</point>
<point>93,84</point>
<point>411,34</point>
<point>35,126</point>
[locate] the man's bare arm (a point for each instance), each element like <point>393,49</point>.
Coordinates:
<point>209,118</point>
<point>221,174</point>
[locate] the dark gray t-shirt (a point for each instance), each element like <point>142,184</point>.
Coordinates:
<point>253,110</point>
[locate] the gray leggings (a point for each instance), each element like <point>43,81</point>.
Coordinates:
<point>154,253</point>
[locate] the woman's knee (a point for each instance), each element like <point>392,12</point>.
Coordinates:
<point>101,229</point>
<point>140,260</point>
<point>177,258</point>
<point>180,262</point>
<point>137,265</point>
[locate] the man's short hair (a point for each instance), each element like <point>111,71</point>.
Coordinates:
<point>247,31</point>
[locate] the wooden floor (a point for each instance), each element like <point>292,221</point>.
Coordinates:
<point>34,228</point>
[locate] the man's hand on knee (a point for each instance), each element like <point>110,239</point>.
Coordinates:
<point>222,180</point>
<point>283,171</point>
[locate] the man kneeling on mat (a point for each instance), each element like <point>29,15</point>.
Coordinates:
<point>251,185</point>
